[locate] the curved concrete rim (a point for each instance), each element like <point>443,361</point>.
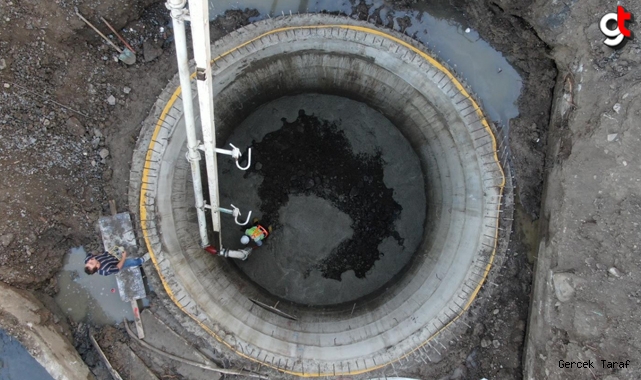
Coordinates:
<point>481,147</point>
<point>27,320</point>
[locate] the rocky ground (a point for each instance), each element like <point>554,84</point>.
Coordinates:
<point>70,115</point>
<point>586,303</point>
<point>65,98</point>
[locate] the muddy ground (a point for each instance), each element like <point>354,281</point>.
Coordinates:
<point>70,115</point>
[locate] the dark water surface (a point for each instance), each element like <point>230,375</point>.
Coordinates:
<point>16,363</point>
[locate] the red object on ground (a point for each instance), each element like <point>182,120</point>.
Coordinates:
<point>211,250</point>
<point>263,230</point>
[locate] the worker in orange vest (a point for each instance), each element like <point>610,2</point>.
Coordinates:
<point>256,233</point>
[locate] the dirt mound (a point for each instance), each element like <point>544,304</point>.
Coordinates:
<point>69,113</point>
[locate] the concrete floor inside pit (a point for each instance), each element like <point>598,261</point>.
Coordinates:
<point>314,218</point>
<point>383,320</point>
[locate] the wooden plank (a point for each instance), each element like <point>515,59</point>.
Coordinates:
<point>130,284</point>
<point>102,355</point>
<point>137,319</point>
<point>118,230</point>
<point>112,207</point>
<point>137,369</point>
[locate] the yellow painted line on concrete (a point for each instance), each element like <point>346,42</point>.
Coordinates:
<point>459,86</point>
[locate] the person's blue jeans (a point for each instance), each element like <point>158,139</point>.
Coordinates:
<point>129,263</point>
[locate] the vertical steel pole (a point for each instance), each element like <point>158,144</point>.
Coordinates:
<point>199,17</point>
<point>178,13</point>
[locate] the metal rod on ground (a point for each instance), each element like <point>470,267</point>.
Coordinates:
<point>125,56</point>
<point>49,100</point>
<point>137,320</point>
<point>187,361</point>
<point>99,32</point>
<point>118,35</point>
<point>193,155</point>
<point>199,13</point>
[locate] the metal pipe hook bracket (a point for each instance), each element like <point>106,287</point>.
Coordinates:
<point>235,212</point>
<point>236,155</point>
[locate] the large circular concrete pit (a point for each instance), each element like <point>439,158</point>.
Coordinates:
<point>452,200</point>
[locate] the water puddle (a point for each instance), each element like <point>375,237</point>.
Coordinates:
<point>272,8</point>
<point>440,27</point>
<point>85,298</point>
<point>16,363</point>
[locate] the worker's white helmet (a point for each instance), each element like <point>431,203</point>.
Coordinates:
<point>244,239</point>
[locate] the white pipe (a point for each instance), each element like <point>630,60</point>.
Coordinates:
<point>235,154</point>
<point>199,13</point>
<point>241,254</point>
<point>178,12</point>
<point>235,212</point>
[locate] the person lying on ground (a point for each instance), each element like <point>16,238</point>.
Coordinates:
<point>257,233</point>
<point>107,264</point>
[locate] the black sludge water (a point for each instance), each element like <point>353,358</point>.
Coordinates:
<point>342,189</point>
<point>309,156</point>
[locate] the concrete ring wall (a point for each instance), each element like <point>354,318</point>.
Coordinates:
<point>434,111</point>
